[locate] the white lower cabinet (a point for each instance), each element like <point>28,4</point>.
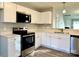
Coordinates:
<point>48,40</point>
<point>61,42</point>
<point>38,38</point>
<point>11,47</point>
<point>8,46</point>
<point>56,41</point>
<point>44,40</point>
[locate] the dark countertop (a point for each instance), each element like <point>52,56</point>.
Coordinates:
<point>75,36</point>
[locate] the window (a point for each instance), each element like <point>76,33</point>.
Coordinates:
<point>75,24</point>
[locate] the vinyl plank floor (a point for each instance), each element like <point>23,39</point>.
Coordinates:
<point>46,52</point>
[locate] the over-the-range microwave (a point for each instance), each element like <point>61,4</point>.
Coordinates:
<point>23,18</point>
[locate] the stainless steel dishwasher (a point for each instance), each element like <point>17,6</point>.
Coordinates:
<point>74,49</point>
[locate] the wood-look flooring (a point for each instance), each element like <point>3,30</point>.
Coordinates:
<point>46,52</point>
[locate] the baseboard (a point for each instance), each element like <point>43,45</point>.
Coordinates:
<point>55,48</point>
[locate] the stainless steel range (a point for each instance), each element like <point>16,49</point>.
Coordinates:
<point>27,41</point>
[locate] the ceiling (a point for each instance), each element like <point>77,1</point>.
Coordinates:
<point>41,6</point>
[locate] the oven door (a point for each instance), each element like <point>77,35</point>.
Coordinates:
<point>27,41</point>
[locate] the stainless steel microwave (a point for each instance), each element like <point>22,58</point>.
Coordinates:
<point>23,18</point>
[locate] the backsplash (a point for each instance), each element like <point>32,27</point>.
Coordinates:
<point>4,27</point>
<point>7,27</point>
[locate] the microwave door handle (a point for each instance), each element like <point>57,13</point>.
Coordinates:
<point>30,18</point>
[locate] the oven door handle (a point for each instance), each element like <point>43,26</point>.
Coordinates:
<point>27,35</point>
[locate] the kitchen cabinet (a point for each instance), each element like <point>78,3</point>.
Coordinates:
<point>37,40</point>
<point>64,43</point>
<point>54,42</point>
<point>17,42</point>
<point>11,47</point>
<point>48,41</point>
<point>46,17</point>
<point>8,46</point>
<point>57,41</point>
<point>20,8</point>
<point>23,9</point>
<point>44,39</point>
<point>61,42</point>
<point>41,17</point>
<point>8,13</point>
<point>35,17</point>
<point>1,5</point>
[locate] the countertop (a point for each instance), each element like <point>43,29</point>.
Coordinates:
<point>8,35</point>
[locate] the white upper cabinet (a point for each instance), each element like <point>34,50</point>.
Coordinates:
<point>35,17</point>
<point>1,5</point>
<point>8,13</point>
<point>41,17</point>
<point>46,17</point>
<point>23,9</point>
<point>20,9</point>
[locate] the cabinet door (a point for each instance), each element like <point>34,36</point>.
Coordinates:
<point>17,45</point>
<point>1,5</point>
<point>35,17</point>
<point>60,43</point>
<point>11,47</point>
<point>9,12</point>
<point>44,40</point>
<point>37,40</point>
<point>66,43</point>
<point>3,46</point>
<point>46,17</point>
<point>48,41</point>
<point>53,41</point>
<point>20,9</point>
